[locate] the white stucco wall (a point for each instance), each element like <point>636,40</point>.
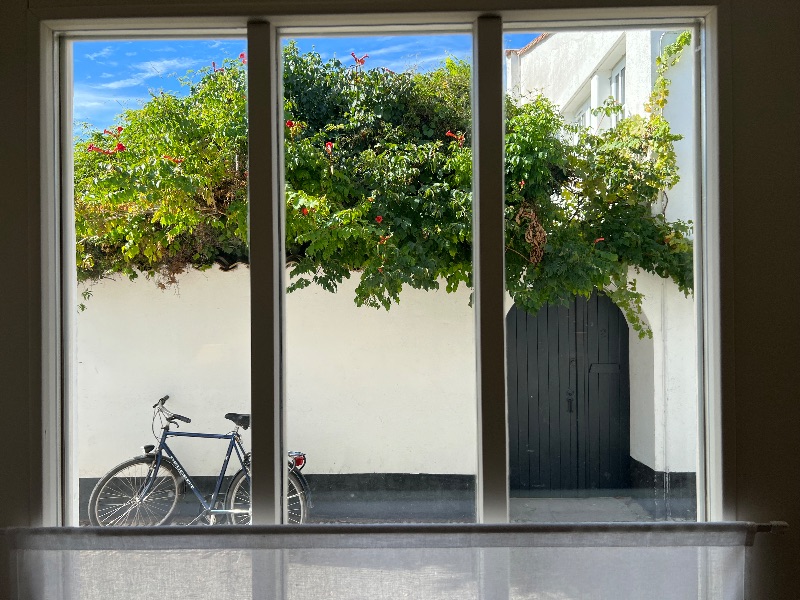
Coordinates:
<point>560,66</point>
<point>367,390</point>
<point>663,373</point>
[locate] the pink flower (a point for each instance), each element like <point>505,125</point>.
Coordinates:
<point>378,219</point>
<point>522,184</point>
<point>243,58</point>
<point>600,239</point>
<point>329,147</point>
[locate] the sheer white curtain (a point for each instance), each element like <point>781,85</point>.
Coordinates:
<point>425,562</point>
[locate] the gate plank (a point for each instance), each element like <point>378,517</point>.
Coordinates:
<point>593,454</point>
<point>522,398</point>
<point>604,392</point>
<point>565,416</point>
<point>554,398</point>
<point>581,374</point>
<point>544,409</point>
<point>532,366</point>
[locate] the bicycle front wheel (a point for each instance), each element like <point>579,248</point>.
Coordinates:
<point>118,498</point>
<point>238,499</point>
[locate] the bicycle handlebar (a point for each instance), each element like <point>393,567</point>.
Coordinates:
<point>175,417</point>
<point>161,401</point>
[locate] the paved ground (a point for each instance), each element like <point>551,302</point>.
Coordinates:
<point>576,510</point>
<point>460,508</point>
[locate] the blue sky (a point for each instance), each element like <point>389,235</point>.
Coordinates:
<point>112,75</point>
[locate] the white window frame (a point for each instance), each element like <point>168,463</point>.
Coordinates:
<point>266,245</point>
<point>618,90</point>
<point>583,116</point>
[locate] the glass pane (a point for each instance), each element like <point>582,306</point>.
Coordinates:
<point>601,326</point>
<point>380,334</point>
<point>160,201</point>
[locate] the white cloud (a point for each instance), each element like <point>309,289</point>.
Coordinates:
<point>100,108</point>
<point>130,54</point>
<point>105,52</point>
<point>106,75</point>
<point>149,69</point>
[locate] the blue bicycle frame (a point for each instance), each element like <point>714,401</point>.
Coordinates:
<point>234,445</point>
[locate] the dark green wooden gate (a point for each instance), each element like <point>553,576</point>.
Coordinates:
<point>569,397</point>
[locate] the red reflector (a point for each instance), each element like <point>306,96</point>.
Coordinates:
<point>299,461</point>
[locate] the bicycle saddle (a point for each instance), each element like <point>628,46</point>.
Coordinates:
<point>242,421</point>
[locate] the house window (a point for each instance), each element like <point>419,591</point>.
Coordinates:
<point>618,90</point>
<point>583,116</point>
<point>269,317</point>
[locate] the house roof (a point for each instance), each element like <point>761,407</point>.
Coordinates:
<point>533,43</point>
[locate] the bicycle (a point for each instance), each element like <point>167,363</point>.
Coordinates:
<point>145,490</point>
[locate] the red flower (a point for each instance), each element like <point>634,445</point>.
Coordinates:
<point>119,130</point>
<point>243,58</point>
<point>601,239</point>
<point>304,210</point>
<point>328,147</point>
<point>91,148</point>
<point>120,147</point>
<point>522,184</point>
<point>290,123</point>
<point>459,138</point>
<point>177,161</point>
<point>359,61</point>
<point>380,269</point>
<point>378,219</point>
<point>214,66</point>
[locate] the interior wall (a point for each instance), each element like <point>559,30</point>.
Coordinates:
<point>760,246</point>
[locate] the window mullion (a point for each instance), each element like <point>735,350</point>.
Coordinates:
<point>266,275</point>
<point>489,268</point>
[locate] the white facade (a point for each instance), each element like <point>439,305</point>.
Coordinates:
<point>578,71</point>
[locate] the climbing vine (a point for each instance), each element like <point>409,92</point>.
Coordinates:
<point>378,172</point>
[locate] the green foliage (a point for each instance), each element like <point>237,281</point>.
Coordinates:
<point>379,183</point>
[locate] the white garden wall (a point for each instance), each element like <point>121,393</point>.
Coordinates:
<point>367,390</point>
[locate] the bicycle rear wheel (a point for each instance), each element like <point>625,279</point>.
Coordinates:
<point>117,499</point>
<point>238,498</point>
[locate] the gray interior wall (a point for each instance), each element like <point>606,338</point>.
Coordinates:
<point>760,249</point>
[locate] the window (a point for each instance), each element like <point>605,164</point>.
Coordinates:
<point>618,90</point>
<point>268,353</point>
<point>583,117</point>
